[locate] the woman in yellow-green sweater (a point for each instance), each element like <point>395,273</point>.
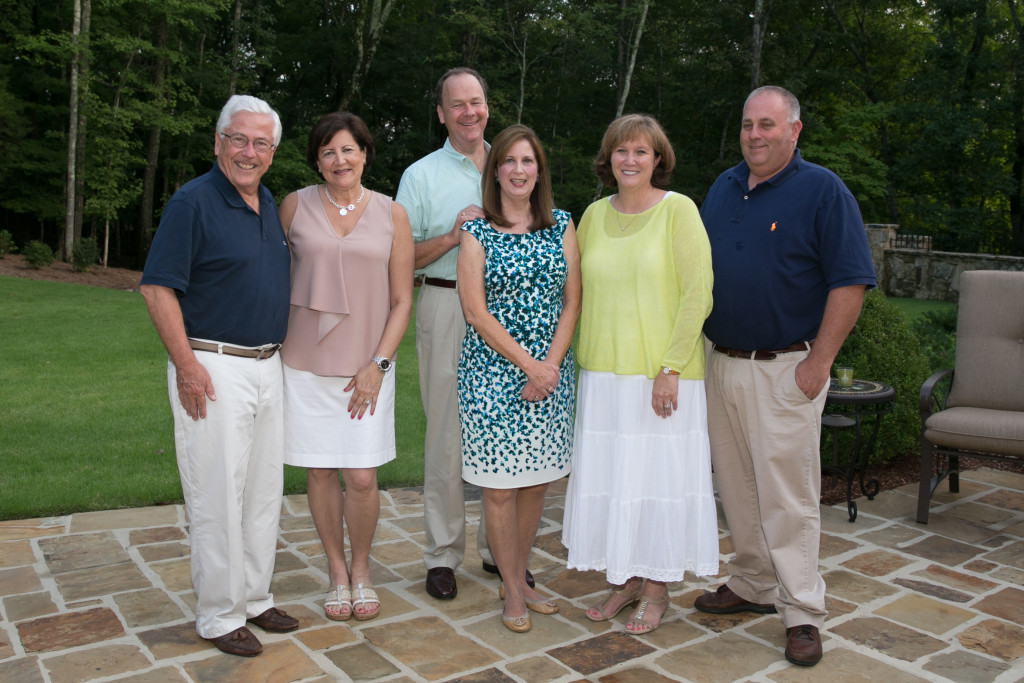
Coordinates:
<point>640,505</point>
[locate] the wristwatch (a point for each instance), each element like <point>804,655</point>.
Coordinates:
<point>383,362</point>
<point>667,371</point>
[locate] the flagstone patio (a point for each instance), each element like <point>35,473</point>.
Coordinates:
<point>106,596</point>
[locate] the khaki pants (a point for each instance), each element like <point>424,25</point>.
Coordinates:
<point>765,438</point>
<point>232,474</point>
<point>440,328</point>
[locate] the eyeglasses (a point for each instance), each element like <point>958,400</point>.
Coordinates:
<point>239,141</point>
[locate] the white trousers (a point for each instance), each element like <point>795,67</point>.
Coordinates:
<point>440,328</point>
<point>232,477</point>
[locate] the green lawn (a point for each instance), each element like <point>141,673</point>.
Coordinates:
<point>84,420</point>
<point>912,309</point>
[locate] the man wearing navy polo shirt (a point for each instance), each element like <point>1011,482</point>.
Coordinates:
<point>791,265</point>
<point>216,287</point>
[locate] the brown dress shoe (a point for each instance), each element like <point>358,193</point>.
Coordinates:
<point>803,645</point>
<point>239,642</point>
<point>275,621</point>
<point>724,601</point>
<point>441,583</point>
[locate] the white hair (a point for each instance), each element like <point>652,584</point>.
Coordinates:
<point>248,103</point>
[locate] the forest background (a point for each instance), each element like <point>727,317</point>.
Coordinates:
<point>108,106</point>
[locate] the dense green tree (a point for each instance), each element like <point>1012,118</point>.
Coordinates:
<point>918,105</point>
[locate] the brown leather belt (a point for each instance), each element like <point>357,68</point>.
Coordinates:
<point>438,282</point>
<point>763,355</point>
<point>227,350</point>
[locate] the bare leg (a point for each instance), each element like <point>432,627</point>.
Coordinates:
<point>326,503</point>
<point>503,538</point>
<point>529,509</point>
<point>362,508</point>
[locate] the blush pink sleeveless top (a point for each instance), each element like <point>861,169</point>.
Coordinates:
<point>340,292</point>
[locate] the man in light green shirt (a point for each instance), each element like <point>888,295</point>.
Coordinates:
<point>440,192</point>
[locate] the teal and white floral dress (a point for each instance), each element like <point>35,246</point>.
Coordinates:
<point>508,442</point>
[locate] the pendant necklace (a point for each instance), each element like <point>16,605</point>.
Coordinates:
<point>343,210</point>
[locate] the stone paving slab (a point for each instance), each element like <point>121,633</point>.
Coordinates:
<point>107,596</point>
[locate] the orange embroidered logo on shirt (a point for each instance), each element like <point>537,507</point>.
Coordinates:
<point>773,227</point>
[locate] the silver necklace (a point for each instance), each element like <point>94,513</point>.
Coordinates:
<point>343,210</point>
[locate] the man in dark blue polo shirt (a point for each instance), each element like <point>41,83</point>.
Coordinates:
<point>791,265</point>
<point>216,287</point>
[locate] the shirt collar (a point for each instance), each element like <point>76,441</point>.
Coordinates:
<point>230,192</point>
<point>740,173</point>
<point>449,149</point>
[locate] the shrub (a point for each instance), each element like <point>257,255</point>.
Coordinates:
<point>6,243</point>
<point>937,332</point>
<point>38,255</point>
<point>85,254</point>
<point>882,347</point>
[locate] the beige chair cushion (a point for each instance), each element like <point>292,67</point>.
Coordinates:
<point>990,342</point>
<point>977,429</point>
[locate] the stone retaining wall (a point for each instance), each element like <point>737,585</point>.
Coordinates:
<point>925,274</point>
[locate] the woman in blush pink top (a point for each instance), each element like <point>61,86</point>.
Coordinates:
<point>351,297</point>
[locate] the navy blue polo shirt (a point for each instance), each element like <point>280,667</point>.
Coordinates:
<point>228,264</point>
<point>776,252</point>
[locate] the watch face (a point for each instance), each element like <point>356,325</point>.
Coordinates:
<point>384,364</point>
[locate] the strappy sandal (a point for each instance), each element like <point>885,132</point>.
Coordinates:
<point>340,597</point>
<point>632,596</point>
<point>365,595</point>
<point>641,625</point>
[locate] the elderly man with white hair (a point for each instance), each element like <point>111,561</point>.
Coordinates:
<point>216,287</point>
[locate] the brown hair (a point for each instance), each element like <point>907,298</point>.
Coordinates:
<point>541,199</point>
<point>328,126</point>
<point>635,127</point>
<point>458,71</point>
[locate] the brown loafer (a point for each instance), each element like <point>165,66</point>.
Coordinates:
<point>724,601</point>
<point>275,621</point>
<point>239,642</point>
<point>441,583</point>
<point>803,645</point>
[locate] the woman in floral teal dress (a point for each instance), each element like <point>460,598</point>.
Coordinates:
<point>519,284</point>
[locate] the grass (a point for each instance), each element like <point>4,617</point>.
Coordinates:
<point>84,420</point>
<point>913,309</point>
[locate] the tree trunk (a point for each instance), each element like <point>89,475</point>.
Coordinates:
<point>72,160</point>
<point>761,8</point>
<point>366,48</point>
<point>83,84</point>
<point>152,149</point>
<point>627,72</point>
<point>235,29</point>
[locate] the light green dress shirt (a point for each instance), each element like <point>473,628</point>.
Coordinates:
<point>433,191</point>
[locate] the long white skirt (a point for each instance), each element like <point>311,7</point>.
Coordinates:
<point>318,431</point>
<point>640,500</point>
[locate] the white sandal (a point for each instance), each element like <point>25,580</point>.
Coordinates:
<point>340,597</point>
<point>365,595</point>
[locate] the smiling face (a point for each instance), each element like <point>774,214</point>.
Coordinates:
<point>341,161</point>
<point>768,139</point>
<point>517,172</point>
<point>633,163</point>
<point>245,167</point>
<point>463,111</point>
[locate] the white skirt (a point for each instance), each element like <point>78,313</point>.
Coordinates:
<point>318,431</point>
<point>640,500</point>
